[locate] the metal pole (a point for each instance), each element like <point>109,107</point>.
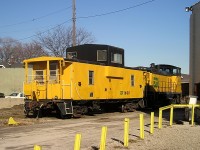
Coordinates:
<point>126,131</point>
<point>193,114</point>
<point>77,143</point>
<point>74,23</point>
<point>152,123</point>
<point>141,126</point>
<point>171,115</point>
<point>103,138</point>
<point>160,119</point>
<point>37,147</point>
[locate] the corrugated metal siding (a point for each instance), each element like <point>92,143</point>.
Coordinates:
<point>194,48</point>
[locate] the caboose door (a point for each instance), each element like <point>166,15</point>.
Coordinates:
<point>109,89</point>
<point>54,81</point>
<point>113,89</point>
<point>39,81</point>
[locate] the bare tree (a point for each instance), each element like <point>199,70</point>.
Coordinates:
<point>14,52</point>
<point>55,43</point>
<point>7,49</point>
<point>59,39</point>
<point>33,49</point>
<point>1,53</point>
<point>84,37</point>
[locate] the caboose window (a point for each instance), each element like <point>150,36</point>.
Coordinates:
<point>39,75</point>
<point>53,71</point>
<point>132,80</point>
<point>101,55</point>
<point>91,77</point>
<point>116,58</point>
<point>71,55</point>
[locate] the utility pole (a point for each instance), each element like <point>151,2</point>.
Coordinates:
<point>74,22</point>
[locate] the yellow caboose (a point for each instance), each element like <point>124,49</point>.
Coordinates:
<point>74,86</point>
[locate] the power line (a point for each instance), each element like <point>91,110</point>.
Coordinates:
<point>26,29</point>
<point>92,16</point>
<point>45,30</point>
<point>116,11</point>
<point>40,32</point>
<point>35,19</point>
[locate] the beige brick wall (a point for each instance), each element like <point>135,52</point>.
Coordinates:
<point>11,80</point>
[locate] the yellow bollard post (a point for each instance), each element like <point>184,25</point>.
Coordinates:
<point>37,147</point>
<point>160,119</point>
<point>126,132</point>
<point>77,143</point>
<point>141,126</point>
<point>152,123</point>
<point>193,114</point>
<point>103,138</point>
<point>171,115</point>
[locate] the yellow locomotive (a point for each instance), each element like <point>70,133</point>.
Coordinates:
<point>163,85</point>
<point>93,77</point>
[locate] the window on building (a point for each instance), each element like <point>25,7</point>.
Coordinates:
<point>71,55</point>
<point>101,55</point>
<point>116,58</point>
<point>91,77</point>
<point>132,80</point>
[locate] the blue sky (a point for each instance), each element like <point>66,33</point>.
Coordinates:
<point>157,32</point>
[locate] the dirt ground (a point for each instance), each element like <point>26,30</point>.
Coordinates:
<point>17,112</point>
<point>52,133</point>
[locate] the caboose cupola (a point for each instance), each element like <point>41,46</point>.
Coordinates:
<point>97,53</point>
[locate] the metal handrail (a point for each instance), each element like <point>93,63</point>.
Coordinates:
<point>171,107</point>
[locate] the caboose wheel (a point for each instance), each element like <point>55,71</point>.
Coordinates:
<point>69,116</point>
<point>26,112</point>
<point>123,109</point>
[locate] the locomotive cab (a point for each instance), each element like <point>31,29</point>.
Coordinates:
<point>167,69</point>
